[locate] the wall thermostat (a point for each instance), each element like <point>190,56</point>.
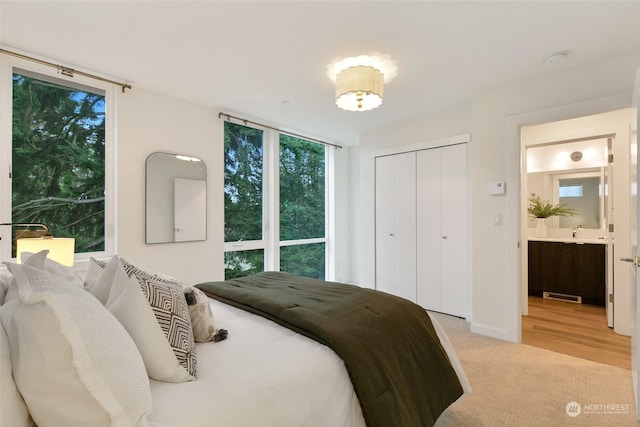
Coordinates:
<point>496,187</point>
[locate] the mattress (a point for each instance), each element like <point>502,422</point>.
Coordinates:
<point>262,375</point>
<point>265,375</point>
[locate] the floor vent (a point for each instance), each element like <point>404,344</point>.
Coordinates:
<point>562,297</point>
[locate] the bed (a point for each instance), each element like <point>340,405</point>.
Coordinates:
<point>271,371</point>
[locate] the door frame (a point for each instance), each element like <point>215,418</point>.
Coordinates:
<point>635,295</point>
<point>514,296</point>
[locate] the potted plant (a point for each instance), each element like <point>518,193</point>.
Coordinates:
<point>543,209</point>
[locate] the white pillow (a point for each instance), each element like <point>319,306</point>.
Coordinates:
<point>13,411</point>
<point>40,260</point>
<point>5,280</point>
<point>123,296</point>
<point>73,362</point>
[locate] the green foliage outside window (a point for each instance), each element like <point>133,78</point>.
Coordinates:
<point>243,263</point>
<point>302,192</point>
<point>304,260</point>
<point>301,195</point>
<point>242,183</point>
<point>302,206</point>
<point>58,167</point>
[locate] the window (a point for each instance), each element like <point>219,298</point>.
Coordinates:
<point>275,203</point>
<point>59,150</point>
<point>302,207</point>
<point>570,191</point>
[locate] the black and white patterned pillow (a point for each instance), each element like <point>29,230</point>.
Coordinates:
<point>166,298</point>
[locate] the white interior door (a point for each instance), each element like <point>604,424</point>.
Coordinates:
<point>396,225</point>
<point>454,259</point>
<point>635,210</point>
<point>385,224</point>
<point>429,278</point>
<point>189,209</point>
<point>442,279</point>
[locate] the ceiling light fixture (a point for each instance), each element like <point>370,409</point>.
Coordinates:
<point>576,156</point>
<point>360,80</point>
<point>359,88</point>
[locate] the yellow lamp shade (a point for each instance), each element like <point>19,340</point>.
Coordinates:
<point>61,250</point>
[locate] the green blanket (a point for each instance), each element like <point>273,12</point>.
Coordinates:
<point>399,370</point>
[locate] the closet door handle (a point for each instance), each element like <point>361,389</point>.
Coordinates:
<point>444,237</point>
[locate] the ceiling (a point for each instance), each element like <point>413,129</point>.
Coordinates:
<point>267,60</point>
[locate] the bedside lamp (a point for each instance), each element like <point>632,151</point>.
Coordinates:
<point>61,249</point>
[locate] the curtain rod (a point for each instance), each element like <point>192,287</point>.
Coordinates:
<point>245,121</point>
<point>66,71</point>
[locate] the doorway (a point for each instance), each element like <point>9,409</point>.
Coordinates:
<point>567,167</point>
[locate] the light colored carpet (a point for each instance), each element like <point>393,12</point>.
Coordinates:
<point>520,385</point>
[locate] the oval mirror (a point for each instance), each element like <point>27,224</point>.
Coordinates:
<point>176,198</point>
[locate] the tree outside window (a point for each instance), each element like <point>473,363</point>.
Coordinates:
<point>298,245</point>
<point>58,158</point>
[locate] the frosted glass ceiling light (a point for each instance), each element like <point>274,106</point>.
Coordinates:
<point>359,88</point>
<point>360,80</point>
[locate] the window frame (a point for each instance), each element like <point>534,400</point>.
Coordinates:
<point>270,242</point>
<point>9,65</point>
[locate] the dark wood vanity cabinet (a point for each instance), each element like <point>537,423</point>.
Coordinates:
<point>568,268</point>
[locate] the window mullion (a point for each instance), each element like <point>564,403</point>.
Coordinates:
<point>6,99</point>
<point>329,221</point>
<point>244,245</point>
<point>272,200</point>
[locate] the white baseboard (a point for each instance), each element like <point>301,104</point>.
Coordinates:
<point>489,331</point>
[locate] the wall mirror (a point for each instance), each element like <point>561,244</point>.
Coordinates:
<point>581,191</point>
<point>176,198</point>
<point>572,174</point>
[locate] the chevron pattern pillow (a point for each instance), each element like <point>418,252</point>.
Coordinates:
<point>170,308</point>
<point>172,313</point>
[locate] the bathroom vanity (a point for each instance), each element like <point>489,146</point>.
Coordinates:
<point>568,267</point>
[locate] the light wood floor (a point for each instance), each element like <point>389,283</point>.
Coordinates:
<point>578,330</point>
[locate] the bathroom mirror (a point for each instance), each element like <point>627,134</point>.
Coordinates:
<point>176,198</point>
<point>572,174</point>
<point>580,191</point>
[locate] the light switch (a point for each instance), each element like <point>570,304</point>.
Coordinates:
<point>497,220</point>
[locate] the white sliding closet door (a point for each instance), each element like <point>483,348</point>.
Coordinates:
<point>442,255</point>
<point>429,276</point>
<point>396,224</point>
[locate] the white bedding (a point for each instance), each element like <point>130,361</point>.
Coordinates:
<point>264,375</point>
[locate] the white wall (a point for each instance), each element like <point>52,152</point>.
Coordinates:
<point>442,125</point>
<point>492,156</point>
<point>149,122</point>
<point>495,288</point>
